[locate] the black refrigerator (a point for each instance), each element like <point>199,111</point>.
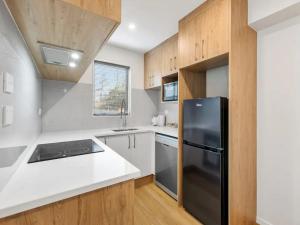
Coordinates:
<point>205,157</point>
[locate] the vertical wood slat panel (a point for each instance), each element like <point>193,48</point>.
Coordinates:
<point>113,205</point>
<point>242,117</point>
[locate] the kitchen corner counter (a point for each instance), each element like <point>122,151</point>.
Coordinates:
<point>38,184</point>
<point>42,183</point>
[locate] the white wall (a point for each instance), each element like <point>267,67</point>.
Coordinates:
<point>170,109</point>
<point>217,82</point>
<point>112,54</point>
<point>26,99</point>
<point>15,59</point>
<point>264,13</point>
<point>69,106</point>
<point>259,9</point>
<point>279,124</point>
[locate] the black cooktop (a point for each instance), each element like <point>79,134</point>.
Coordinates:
<point>44,152</point>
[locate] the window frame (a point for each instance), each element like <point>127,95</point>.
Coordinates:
<point>128,89</point>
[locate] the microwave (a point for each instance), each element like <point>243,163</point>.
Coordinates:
<point>170,92</point>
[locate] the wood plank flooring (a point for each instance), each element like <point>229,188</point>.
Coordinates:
<point>155,207</point>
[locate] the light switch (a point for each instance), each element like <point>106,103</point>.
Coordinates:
<point>40,111</point>
<point>7,115</point>
<point>8,83</point>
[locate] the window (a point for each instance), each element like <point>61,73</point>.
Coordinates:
<point>110,89</point>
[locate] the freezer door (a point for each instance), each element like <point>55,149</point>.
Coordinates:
<point>203,182</point>
<point>203,122</point>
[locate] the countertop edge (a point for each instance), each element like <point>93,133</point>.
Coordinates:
<point>14,210</point>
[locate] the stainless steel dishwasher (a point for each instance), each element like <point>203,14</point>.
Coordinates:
<point>166,150</point>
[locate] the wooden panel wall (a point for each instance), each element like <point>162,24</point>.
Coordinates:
<point>191,85</point>
<point>66,25</point>
<point>112,205</point>
<point>107,8</point>
<point>242,117</point>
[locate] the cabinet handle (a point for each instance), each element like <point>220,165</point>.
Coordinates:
<point>196,47</point>
<point>105,140</point>
<point>134,141</point>
<point>202,49</point>
<point>129,144</point>
<point>170,64</point>
<point>175,62</point>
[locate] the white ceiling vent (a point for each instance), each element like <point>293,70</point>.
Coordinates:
<point>60,56</point>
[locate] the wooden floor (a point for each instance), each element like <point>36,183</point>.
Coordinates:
<point>155,207</point>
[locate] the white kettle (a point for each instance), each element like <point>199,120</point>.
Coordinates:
<point>161,120</point>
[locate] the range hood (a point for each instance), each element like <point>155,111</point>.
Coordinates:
<point>60,56</point>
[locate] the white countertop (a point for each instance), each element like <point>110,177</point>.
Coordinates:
<point>38,184</point>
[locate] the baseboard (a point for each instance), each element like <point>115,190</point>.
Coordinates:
<point>261,221</point>
<point>143,181</point>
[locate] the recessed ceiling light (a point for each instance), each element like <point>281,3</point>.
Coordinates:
<point>75,55</point>
<point>131,26</point>
<point>72,64</point>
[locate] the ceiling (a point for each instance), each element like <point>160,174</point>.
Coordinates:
<point>155,20</point>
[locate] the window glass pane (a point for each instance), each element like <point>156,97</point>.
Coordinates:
<point>110,88</point>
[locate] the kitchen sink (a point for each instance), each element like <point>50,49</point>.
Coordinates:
<point>125,129</point>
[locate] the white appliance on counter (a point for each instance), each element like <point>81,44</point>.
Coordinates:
<point>159,120</point>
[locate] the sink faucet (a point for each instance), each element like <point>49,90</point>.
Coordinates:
<point>123,113</point>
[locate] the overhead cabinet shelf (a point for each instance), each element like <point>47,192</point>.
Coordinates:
<point>83,26</point>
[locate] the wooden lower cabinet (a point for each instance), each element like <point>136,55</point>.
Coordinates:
<point>113,205</point>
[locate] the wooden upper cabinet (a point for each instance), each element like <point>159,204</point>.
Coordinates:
<point>217,38</point>
<point>82,25</point>
<point>187,46</point>
<point>153,68</point>
<point>170,56</point>
<point>204,33</point>
<point>161,61</point>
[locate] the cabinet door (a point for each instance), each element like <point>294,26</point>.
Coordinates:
<point>103,139</point>
<point>121,145</point>
<point>153,68</point>
<point>217,28</point>
<point>174,51</point>
<point>157,66</point>
<point>142,152</point>
<point>187,42</point>
<point>167,58</point>
<point>202,20</point>
<point>148,71</point>
<point>169,54</point>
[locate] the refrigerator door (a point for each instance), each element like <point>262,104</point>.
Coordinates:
<point>203,185</point>
<point>202,122</point>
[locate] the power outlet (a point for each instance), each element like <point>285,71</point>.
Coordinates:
<point>8,83</point>
<point>7,115</point>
